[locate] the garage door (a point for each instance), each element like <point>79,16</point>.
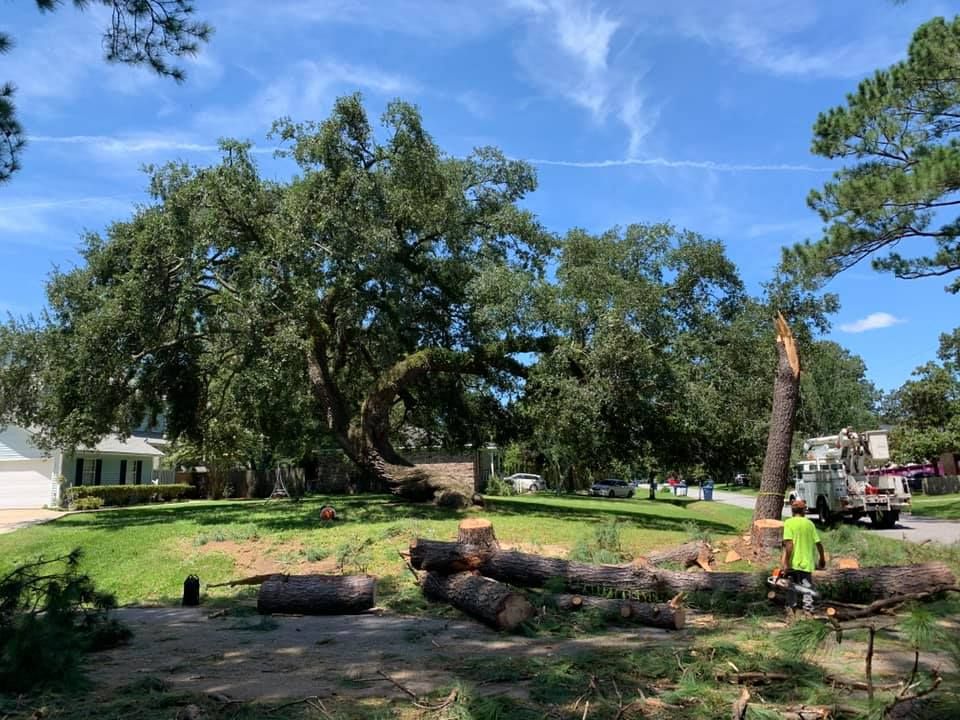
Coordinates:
<point>24,489</point>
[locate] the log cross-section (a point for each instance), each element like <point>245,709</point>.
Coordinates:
<point>317,594</point>
<point>477,531</point>
<point>488,600</point>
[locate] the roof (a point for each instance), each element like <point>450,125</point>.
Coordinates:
<point>115,445</point>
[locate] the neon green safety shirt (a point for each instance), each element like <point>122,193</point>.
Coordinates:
<point>805,538</point>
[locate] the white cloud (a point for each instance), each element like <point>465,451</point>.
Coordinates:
<point>40,222</point>
<point>305,89</point>
<point>681,164</point>
<point>873,321</point>
<point>567,53</point>
<point>782,37</point>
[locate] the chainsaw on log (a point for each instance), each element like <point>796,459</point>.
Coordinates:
<point>780,581</point>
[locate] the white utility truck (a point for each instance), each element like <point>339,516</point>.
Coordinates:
<point>831,478</point>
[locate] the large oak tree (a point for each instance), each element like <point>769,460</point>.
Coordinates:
<point>383,265</point>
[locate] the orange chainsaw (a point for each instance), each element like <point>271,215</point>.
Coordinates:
<point>780,581</point>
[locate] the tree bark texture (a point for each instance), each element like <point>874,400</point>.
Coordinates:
<point>767,534</point>
<point>317,594</point>
<point>487,600</point>
<point>528,570</point>
<point>477,531</point>
<point>687,555</point>
<point>776,462</point>
<point>659,615</point>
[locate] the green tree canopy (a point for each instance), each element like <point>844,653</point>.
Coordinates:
<point>926,408</point>
<point>339,296</point>
<point>902,127</point>
<point>834,391</point>
<point>154,33</point>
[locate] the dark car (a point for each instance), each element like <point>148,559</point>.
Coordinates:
<point>612,488</point>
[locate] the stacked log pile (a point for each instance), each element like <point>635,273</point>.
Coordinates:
<point>476,575</point>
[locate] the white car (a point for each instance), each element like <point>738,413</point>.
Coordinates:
<point>524,482</point>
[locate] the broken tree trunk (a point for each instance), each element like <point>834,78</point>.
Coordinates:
<point>687,555</point>
<point>659,615</point>
<point>528,570</point>
<point>317,594</point>
<point>477,531</point>
<point>776,462</point>
<point>488,600</point>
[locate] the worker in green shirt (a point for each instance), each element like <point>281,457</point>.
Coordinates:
<point>802,551</point>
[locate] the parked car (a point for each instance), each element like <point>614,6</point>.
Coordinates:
<point>612,488</point>
<point>741,480</point>
<point>525,482</point>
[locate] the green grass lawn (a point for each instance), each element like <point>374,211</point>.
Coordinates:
<point>143,554</point>
<point>946,507</point>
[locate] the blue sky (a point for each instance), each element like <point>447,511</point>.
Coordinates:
<point>697,113</point>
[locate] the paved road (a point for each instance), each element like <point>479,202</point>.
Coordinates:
<point>913,528</point>
<point>11,520</point>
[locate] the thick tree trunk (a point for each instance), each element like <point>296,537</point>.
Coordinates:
<point>317,594</point>
<point>488,600</point>
<point>776,463</point>
<point>875,583</point>
<point>477,531</point>
<point>527,570</point>
<point>659,615</point>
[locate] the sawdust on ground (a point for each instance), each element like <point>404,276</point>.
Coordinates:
<point>248,657</point>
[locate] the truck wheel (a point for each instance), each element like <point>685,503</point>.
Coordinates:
<point>885,520</point>
<point>823,511</point>
<point>611,494</point>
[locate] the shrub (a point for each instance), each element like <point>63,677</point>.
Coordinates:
<point>87,503</point>
<point>497,486</point>
<point>50,614</point>
<point>120,495</point>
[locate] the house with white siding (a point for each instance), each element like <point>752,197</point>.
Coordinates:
<point>32,478</point>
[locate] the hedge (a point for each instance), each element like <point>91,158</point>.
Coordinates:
<point>116,495</point>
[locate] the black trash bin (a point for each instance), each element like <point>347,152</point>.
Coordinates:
<point>191,591</point>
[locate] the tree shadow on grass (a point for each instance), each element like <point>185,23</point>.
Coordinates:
<point>272,516</point>
<point>615,511</point>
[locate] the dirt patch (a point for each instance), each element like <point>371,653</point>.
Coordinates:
<point>271,658</point>
<point>254,557</point>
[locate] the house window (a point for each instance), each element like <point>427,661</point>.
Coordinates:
<point>138,472</point>
<point>90,472</point>
<point>122,475</point>
<point>131,472</point>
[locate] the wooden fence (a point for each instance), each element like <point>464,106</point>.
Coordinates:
<point>941,485</point>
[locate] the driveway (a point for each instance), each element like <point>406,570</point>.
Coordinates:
<point>911,527</point>
<point>11,520</point>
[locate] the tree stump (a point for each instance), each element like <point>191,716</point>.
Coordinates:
<point>767,535</point>
<point>317,594</point>
<point>487,600</point>
<point>478,532</point>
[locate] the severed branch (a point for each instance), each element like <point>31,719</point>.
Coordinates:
<point>416,698</point>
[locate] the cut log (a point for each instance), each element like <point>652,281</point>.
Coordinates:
<point>477,531</point>
<point>847,563</point>
<point>659,615</point>
<point>317,594</point>
<point>686,555</point>
<point>528,570</point>
<point>767,534</point>
<point>875,583</point>
<point>487,600</point>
